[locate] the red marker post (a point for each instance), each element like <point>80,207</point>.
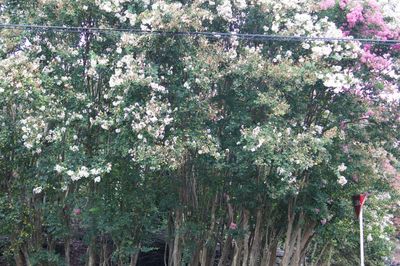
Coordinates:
<point>358,202</point>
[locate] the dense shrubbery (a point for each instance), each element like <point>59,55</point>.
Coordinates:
<point>237,145</point>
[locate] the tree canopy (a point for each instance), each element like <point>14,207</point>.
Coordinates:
<point>227,149</point>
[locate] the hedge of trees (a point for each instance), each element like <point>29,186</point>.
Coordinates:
<point>228,148</point>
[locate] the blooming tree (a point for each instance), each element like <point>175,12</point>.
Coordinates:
<point>244,145</point>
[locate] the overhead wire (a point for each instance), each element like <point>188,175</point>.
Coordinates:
<point>215,35</point>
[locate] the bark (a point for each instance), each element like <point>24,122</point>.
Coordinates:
<point>288,238</point>
<point>204,260</point>
<point>104,253</point>
<point>227,248</point>
<point>38,233</point>
<point>196,255</point>
<point>256,246</point>
<point>165,254</point>
<point>225,251</point>
<point>177,253</point>
<point>171,241</point>
<point>67,251</point>
<point>271,245</point>
<point>19,258</point>
<point>92,253</point>
<point>307,237</point>
<point>237,252</point>
<point>134,259</point>
<point>246,239</point>
<point>26,256</point>
<point>272,254</point>
<point>296,257</point>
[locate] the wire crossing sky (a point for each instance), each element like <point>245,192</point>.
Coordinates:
<point>215,35</point>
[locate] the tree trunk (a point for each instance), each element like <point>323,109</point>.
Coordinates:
<point>288,238</point>
<point>256,246</point>
<point>296,257</point>
<point>272,254</point>
<point>171,239</point>
<point>19,258</point>
<point>26,256</point>
<point>225,251</point>
<point>246,239</point>
<point>196,255</point>
<point>134,259</point>
<point>271,244</point>
<point>205,259</point>
<point>237,252</point>
<point>176,253</point>
<point>67,251</point>
<point>92,253</point>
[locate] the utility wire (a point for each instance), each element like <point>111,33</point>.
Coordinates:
<point>216,35</point>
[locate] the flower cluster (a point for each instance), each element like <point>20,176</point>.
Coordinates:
<point>84,172</point>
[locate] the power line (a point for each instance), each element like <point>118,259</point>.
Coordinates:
<point>216,35</point>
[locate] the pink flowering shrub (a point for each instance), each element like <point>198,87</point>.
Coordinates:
<point>355,16</point>
<point>374,61</point>
<point>326,4</point>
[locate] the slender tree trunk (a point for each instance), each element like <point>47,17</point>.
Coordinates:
<point>196,255</point>
<point>165,253</point>
<point>177,253</point>
<point>134,259</point>
<point>288,238</point>
<point>271,244</point>
<point>171,238</point>
<point>272,254</point>
<point>67,251</point>
<point>246,239</point>
<point>26,256</point>
<point>19,258</point>
<point>237,252</point>
<point>296,257</point>
<point>256,246</point>
<point>225,251</point>
<point>307,237</point>
<point>204,260</point>
<point>104,253</point>
<point>92,253</point>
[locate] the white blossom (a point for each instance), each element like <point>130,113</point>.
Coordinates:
<point>342,180</point>
<point>37,190</point>
<point>342,167</point>
<point>225,10</point>
<point>83,172</point>
<point>74,148</point>
<point>58,168</point>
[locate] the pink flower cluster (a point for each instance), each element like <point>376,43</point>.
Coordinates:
<point>343,3</point>
<point>355,16</point>
<point>375,23</point>
<point>326,4</point>
<point>233,226</point>
<point>367,15</point>
<point>373,60</point>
